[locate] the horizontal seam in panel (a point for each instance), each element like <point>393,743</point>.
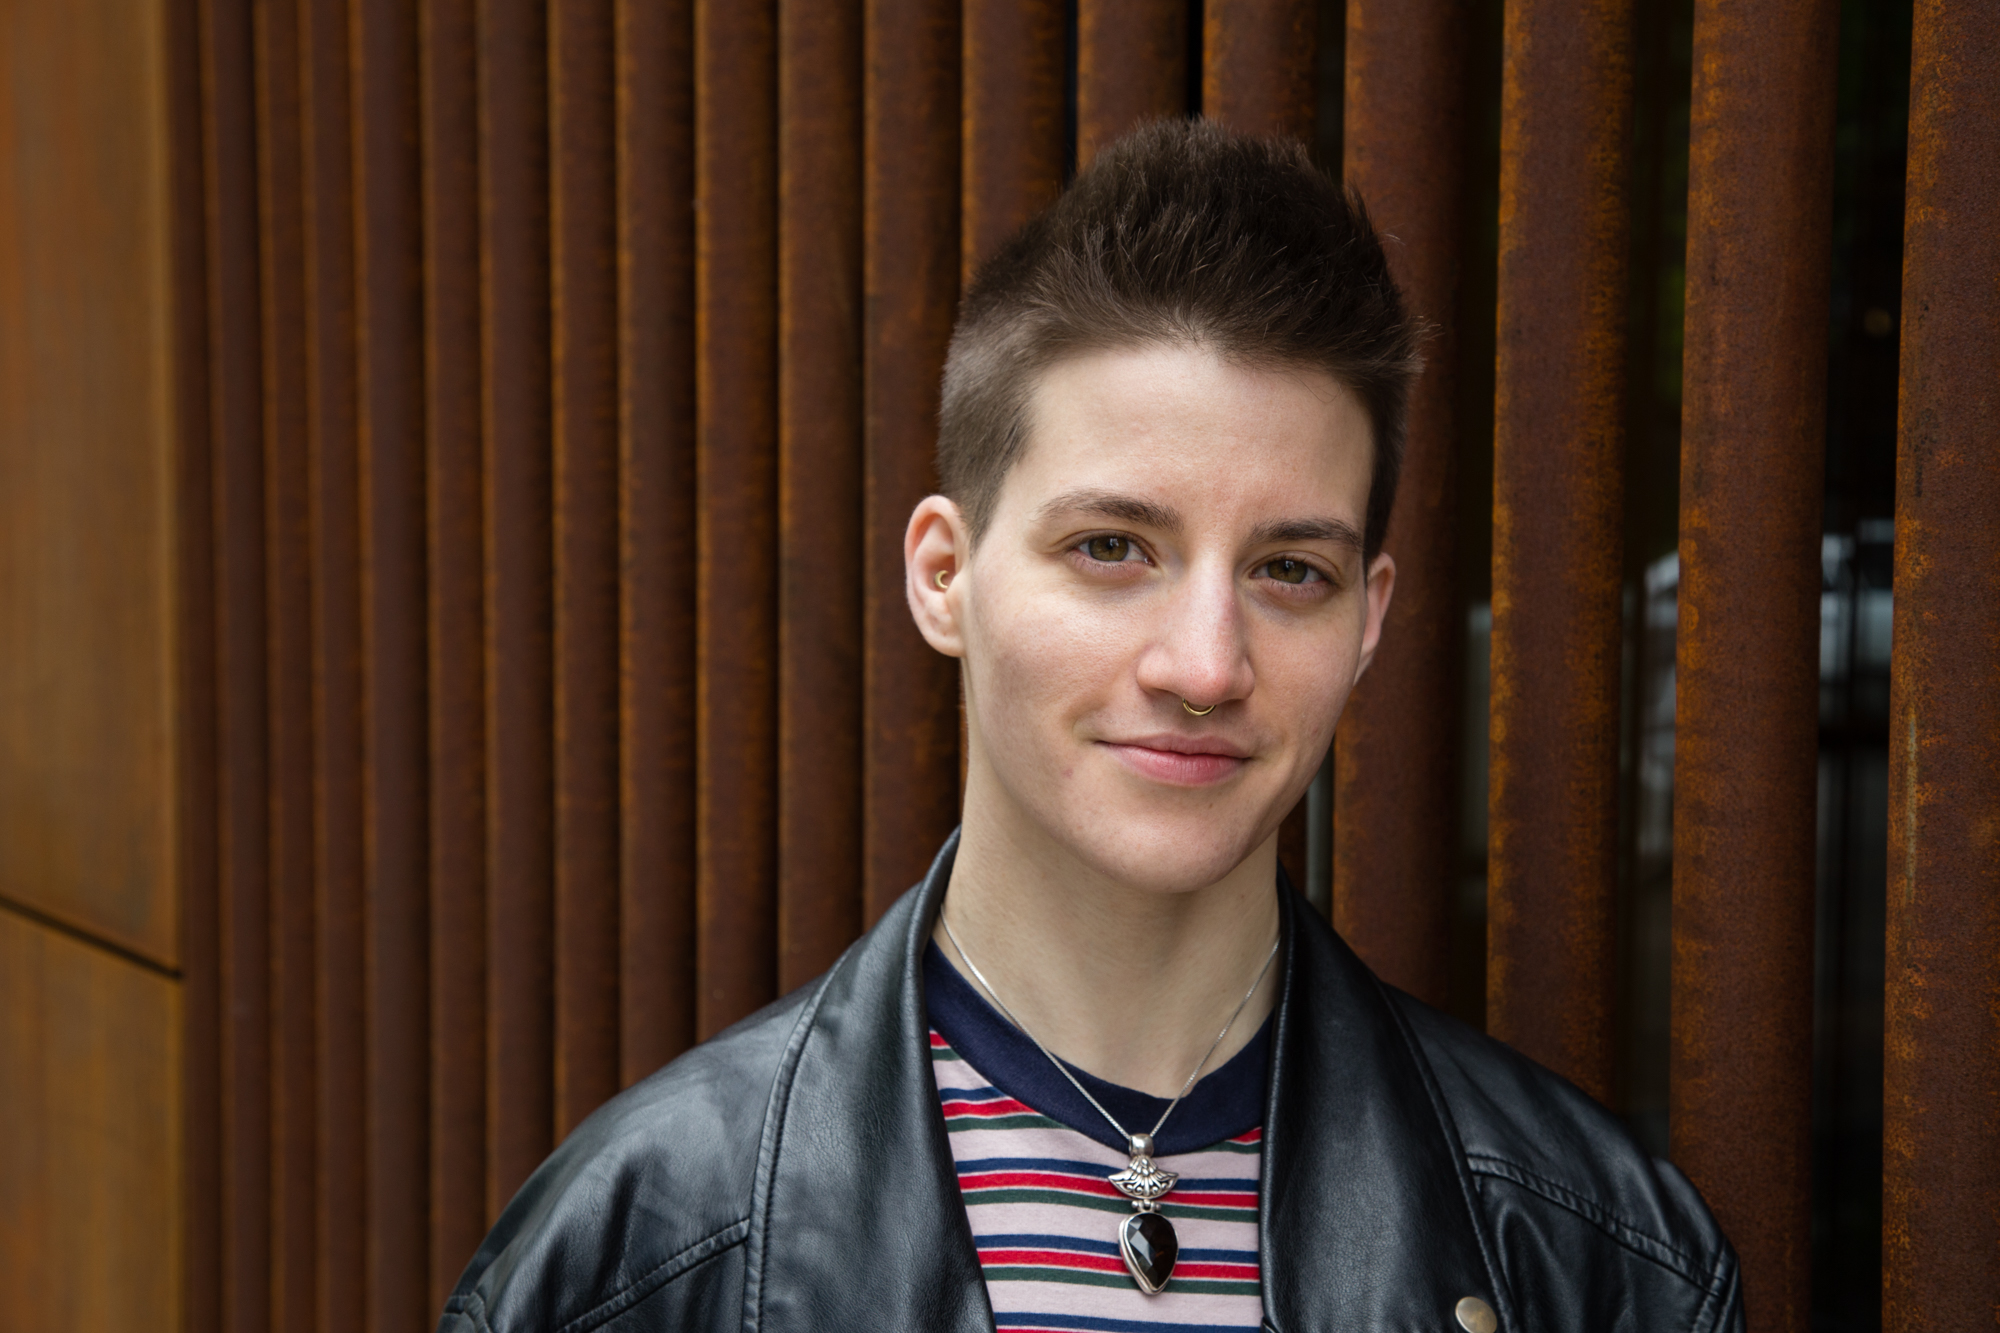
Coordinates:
<point>1671,1257</point>
<point>71,930</point>
<point>646,1284</point>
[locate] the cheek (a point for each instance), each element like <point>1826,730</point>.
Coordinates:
<point>1305,681</point>
<point>1037,664</point>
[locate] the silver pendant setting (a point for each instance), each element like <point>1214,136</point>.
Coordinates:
<point>1146,1240</point>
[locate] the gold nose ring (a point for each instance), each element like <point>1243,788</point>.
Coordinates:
<point>1197,712</point>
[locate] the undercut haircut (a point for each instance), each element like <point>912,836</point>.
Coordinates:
<point>1181,234</point>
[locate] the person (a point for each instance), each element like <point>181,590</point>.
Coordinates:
<point>1103,1069</point>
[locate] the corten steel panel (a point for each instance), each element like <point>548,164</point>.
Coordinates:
<point>910,256</point>
<point>86,526</point>
<point>199,1142</point>
<point>455,620</point>
<point>1257,64</point>
<point>90,1067</point>
<point>1746,768</point>
<point>1016,63</point>
<point>583,247</point>
<point>387,211</point>
<point>735,44</point>
<point>1941,1076</point>
<point>514,239</point>
<point>1395,756</point>
<point>819,484</point>
<point>229,152</point>
<point>316,174</point>
<point>1566,110</point>
<point>1131,66</point>
<point>657,524</point>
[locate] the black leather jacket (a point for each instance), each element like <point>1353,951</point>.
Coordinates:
<point>793,1174</point>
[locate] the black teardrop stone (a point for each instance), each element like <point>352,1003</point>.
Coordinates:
<point>1150,1248</point>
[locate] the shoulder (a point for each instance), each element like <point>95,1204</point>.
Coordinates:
<point>653,1187</point>
<point>1571,1200</point>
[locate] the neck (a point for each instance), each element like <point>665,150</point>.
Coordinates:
<point>1129,983</point>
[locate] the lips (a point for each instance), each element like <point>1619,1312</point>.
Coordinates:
<point>1181,761</point>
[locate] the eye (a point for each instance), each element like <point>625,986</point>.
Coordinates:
<point>1287,570</point>
<point>1109,549</point>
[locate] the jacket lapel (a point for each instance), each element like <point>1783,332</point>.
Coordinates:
<point>857,1221</point>
<point>1367,1219</point>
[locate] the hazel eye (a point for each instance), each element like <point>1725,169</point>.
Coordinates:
<point>1286,570</point>
<point>1110,550</point>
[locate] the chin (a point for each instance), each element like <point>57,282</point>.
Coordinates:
<point>1165,852</point>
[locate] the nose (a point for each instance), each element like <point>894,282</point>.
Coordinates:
<point>1199,649</point>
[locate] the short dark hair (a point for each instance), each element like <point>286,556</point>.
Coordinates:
<point>1181,233</point>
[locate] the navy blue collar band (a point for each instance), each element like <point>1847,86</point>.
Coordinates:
<point>1226,1103</point>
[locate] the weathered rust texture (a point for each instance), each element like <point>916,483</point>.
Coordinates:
<point>1131,66</point>
<point>819,484</point>
<point>1941,1069</point>
<point>514,203</point>
<point>321,150</point>
<point>293,498</point>
<point>195,661</point>
<point>736,112</point>
<point>229,152</point>
<point>1566,110</point>
<point>1395,754</point>
<point>584,262</point>
<point>657,523</point>
<point>1292,839</point>
<point>910,256</point>
<point>390,418</point>
<point>1760,203</point>
<point>454,521</point>
<point>1257,63</point>
<point>1015,67</point>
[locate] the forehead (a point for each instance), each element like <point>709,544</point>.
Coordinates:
<point>1186,426</point>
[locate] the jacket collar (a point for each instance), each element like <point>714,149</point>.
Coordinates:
<point>1366,1214</point>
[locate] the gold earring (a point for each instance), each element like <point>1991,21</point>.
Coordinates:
<point>1197,712</point>
<point>941,579</point>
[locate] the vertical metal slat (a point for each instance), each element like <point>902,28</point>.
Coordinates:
<point>1558,492</point>
<point>1395,754</point>
<point>229,148</point>
<point>195,663</point>
<point>819,484</point>
<point>454,519</point>
<point>736,495</point>
<point>1131,66</point>
<point>1941,1122</point>
<point>514,202</point>
<point>1258,58</point>
<point>1013,148</point>
<point>1760,200</point>
<point>390,418</point>
<point>584,264</point>
<point>294,497</point>
<point>656,519</point>
<point>910,259</point>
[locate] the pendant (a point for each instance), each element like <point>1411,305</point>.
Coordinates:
<point>1146,1239</point>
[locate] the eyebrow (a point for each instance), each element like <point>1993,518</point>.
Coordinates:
<point>1307,530</point>
<point>1112,505</point>
<point>1165,518</point>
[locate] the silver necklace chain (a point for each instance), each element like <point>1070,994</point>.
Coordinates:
<point>1123,1133</point>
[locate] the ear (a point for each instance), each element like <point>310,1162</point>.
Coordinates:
<point>1381,586</point>
<point>937,544</point>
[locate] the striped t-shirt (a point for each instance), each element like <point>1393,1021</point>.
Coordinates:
<point>1032,1171</point>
